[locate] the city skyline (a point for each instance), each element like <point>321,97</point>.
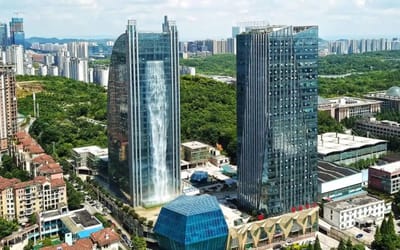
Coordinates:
<point>202,19</point>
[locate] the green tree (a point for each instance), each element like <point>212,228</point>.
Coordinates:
<point>310,246</point>
<point>74,197</point>
<point>29,246</point>
<point>7,227</point>
<point>6,248</point>
<point>327,124</point>
<point>342,245</point>
<point>349,244</point>
<point>317,245</point>
<point>377,243</point>
<point>139,243</point>
<point>32,219</point>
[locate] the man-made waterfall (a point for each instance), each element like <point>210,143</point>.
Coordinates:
<point>157,107</point>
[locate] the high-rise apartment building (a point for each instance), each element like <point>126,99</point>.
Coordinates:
<point>277,117</point>
<point>17,34</point>
<point>8,106</point>
<point>3,36</point>
<point>15,56</point>
<point>144,114</point>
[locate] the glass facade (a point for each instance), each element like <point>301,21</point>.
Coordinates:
<point>144,115</point>
<point>198,224</point>
<point>277,118</point>
<point>17,34</point>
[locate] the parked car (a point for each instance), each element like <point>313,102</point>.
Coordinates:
<point>368,230</point>
<point>359,236</point>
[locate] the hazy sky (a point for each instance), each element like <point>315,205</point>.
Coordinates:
<point>199,19</point>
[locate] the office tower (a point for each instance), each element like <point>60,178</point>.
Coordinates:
<point>17,34</point>
<point>277,118</point>
<point>144,114</point>
<point>3,35</point>
<point>8,106</point>
<point>15,55</point>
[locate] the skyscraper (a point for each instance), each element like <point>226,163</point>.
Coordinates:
<point>144,114</point>
<point>15,55</point>
<point>277,117</point>
<point>17,34</point>
<point>8,106</point>
<point>3,35</point>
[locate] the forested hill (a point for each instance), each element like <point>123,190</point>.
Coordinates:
<point>73,113</point>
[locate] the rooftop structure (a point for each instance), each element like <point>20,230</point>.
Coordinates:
<point>344,148</point>
<point>198,224</point>
<point>81,224</point>
<point>196,153</point>
<point>347,107</point>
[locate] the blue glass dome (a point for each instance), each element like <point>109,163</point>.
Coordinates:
<point>393,91</point>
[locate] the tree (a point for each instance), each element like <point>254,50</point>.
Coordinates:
<point>75,198</point>
<point>139,243</point>
<point>377,243</point>
<point>29,246</point>
<point>32,219</point>
<point>317,245</point>
<point>342,245</point>
<point>349,244</point>
<point>310,246</point>
<point>47,242</point>
<point>7,227</point>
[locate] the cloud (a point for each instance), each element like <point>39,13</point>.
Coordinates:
<point>201,18</point>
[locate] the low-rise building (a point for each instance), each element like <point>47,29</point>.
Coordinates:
<point>336,182</point>
<point>26,149</point>
<point>87,160</point>
<point>356,211</point>
<point>345,149</point>
<point>218,159</point>
<point>378,129</point>
<point>195,153</point>
<point>385,178</point>
<point>347,107</point>
<point>390,98</point>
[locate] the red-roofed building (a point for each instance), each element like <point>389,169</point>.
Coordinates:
<point>51,170</point>
<point>81,244</point>
<point>7,209</point>
<point>105,239</point>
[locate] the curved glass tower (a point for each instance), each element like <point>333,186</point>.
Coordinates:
<point>277,117</point>
<point>144,115</point>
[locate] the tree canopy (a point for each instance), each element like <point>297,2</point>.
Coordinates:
<point>221,64</point>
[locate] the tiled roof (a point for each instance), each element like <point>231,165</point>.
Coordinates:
<point>35,149</point>
<point>81,244</point>
<point>105,237</point>
<point>6,183</point>
<point>22,134</point>
<point>57,183</point>
<point>44,158</point>
<point>52,168</point>
<point>37,180</point>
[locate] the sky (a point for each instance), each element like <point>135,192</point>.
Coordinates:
<point>201,19</point>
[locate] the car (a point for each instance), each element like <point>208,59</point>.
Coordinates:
<point>368,230</point>
<point>125,238</point>
<point>359,236</point>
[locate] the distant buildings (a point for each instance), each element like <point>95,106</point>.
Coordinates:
<point>346,149</point>
<point>15,56</point>
<point>354,46</point>
<point>144,115</point>
<point>277,117</point>
<point>17,34</point>
<point>347,107</point>
<point>8,107</point>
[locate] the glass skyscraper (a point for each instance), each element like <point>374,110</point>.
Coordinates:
<point>17,34</point>
<point>277,118</point>
<point>144,115</point>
